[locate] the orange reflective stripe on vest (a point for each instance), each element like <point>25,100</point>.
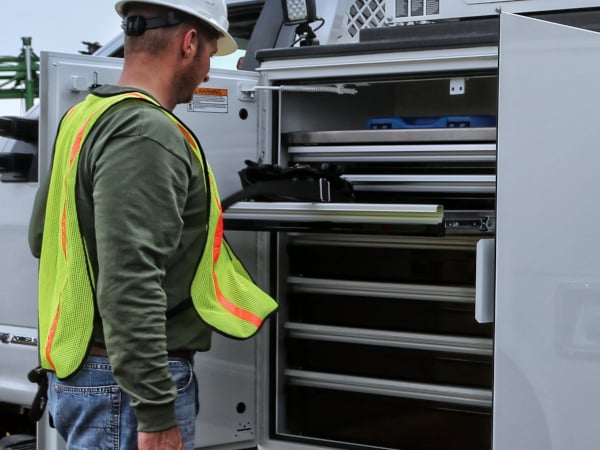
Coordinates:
<point>230,306</point>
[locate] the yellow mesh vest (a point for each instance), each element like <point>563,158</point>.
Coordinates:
<point>222,292</point>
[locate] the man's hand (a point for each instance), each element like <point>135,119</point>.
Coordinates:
<point>161,440</point>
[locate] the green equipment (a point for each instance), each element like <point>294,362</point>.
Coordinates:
<point>19,76</point>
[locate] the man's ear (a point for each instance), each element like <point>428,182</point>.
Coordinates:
<point>189,45</point>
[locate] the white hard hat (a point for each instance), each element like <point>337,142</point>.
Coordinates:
<point>213,12</point>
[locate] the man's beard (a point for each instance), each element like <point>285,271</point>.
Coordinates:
<point>186,86</point>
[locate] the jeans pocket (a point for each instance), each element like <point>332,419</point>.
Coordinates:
<point>90,411</point>
<point>182,373</point>
<point>186,405</point>
<point>79,414</point>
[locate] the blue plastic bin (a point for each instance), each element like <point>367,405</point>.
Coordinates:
<point>388,123</point>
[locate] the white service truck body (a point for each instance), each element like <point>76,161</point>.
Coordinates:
<point>455,303</point>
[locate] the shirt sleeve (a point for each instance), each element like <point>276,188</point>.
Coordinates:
<point>139,192</point>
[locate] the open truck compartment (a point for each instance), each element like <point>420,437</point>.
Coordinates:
<point>376,340</point>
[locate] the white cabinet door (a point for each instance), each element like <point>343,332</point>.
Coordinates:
<point>224,118</point>
<point>547,342</point>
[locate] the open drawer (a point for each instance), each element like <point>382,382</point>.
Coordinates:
<point>350,217</point>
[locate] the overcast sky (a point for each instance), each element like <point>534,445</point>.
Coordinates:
<point>53,25</point>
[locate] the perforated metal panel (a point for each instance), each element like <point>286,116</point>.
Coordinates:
<point>364,14</point>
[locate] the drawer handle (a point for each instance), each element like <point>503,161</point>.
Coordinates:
<point>485,280</point>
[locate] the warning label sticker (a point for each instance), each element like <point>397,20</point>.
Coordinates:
<point>209,100</point>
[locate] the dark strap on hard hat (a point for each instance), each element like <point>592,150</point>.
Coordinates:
<point>137,25</point>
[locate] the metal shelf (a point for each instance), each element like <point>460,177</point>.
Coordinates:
<point>426,136</point>
<point>364,213</point>
<point>466,243</point>
<point>480,184</point>
<point>377,386</point>
<point>382,290</point>
<point>394,152</point>
<point>415,341</point>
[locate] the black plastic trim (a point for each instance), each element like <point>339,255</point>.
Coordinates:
<point>472,32</point>
<point>19,128</point>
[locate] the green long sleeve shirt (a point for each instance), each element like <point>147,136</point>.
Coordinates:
<point>142,209</point>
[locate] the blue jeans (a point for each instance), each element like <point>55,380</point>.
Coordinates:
<point>91,412</point>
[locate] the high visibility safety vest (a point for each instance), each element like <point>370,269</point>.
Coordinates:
<point>222,292</point>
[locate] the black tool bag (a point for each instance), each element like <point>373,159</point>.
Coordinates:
<point>40,377</point>
<point>272,183</point>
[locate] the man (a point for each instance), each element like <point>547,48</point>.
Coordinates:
<point>130,255</point>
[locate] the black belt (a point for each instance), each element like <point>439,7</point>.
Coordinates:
<point>98,349</point>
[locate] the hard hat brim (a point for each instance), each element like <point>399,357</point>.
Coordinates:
<point>226,44</point>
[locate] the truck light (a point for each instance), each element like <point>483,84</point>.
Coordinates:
<point>299,11</point>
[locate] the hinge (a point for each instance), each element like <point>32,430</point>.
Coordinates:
<point>246,92</point>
